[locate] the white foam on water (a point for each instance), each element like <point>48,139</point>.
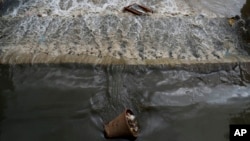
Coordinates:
<point>172,77</point>
<point>220,94</point>
<point>100,28</point>
<point>226,94</point>
<point>71,7</point>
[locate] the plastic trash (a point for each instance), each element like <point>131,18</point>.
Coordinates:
<point>138,9</point>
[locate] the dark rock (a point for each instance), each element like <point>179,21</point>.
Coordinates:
<point>245,72</point>
<point>245,14</point>
<point>245,11</point>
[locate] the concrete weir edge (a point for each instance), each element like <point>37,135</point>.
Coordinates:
<point>195,65</point>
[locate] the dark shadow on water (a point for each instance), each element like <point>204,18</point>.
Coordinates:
<point>5,85</point>
<point>122,138</point>
<point>8,5</point>
<point>242,117</point>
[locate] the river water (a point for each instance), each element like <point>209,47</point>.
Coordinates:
<point>72,101</point>
<point>35,31</point>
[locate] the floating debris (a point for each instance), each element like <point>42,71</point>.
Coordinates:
<point>42,15</point>
<point>233,20</point>
<point>125,125</point>
<point>138,9</point>
<point>133,125</point>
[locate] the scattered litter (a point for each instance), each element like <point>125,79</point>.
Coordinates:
<point>125,125</point>
<point>138,9</point>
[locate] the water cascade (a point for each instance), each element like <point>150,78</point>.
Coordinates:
<point>99,32</point>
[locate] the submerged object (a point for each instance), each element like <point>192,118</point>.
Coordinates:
<point>123,126</point>
<point>138,9</point>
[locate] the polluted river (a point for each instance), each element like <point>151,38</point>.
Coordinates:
<point>68,67</point>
